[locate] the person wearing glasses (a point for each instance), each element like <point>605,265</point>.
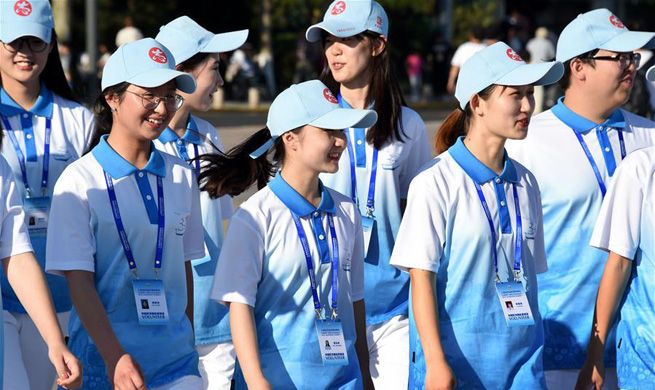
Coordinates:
<point>45,130</point>
<point>128,222</point>
<point>196,52</point>
<point>573,149</point>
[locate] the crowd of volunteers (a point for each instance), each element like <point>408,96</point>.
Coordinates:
<point>520,256</point>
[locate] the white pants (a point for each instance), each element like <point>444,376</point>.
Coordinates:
<point>189,382</point>
<point>566,379</point>
<point>388,350</point>
<point>216,366</point>
<point>27,365</point>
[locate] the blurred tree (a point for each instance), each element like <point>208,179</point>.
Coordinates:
<point>468,14</point>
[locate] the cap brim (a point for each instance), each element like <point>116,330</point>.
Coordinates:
<point>630,41</point>
<point>12,31</point>
<point>156,77</point>
<point>650,74</point>
<point>544,73</point>
<point>263,149</point>
<point>343,118</point>
<point>335,27</point>
<point>226,42</point>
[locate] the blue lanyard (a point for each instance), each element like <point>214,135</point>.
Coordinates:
<point>370,202</point>
<point>182,152</point>
<point>121,229</point>
<point>21,157</point>
<point>592,162</point>
<point>310,265</point>
<point>518,247</point>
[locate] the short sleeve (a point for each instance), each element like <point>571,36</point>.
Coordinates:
<point>419,153</point>
<point>14,238</point>
<point>194,242</point>
<point>457,57</point>
<point>618,224</point>
<point>89,128</point>
<point>70,244</point>
<point>240,263</point>
<point>357,262</point>
<point>421,236</point>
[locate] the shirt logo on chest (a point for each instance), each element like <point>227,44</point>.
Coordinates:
<point>180,228</point>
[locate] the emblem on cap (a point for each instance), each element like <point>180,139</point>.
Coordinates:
<point>329,96</point>
<point>616,21</point>
<point>512,54</point>
<point>157,55</point>
<point>23,8</point>
<point>378,23</point>
<point>338,8</point>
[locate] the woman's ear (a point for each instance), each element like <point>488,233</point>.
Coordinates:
<point>112,100</point>
<point>379,45</point>
<point>477,105</point>
<point>290,139</point>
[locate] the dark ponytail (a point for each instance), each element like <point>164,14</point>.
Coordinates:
<point>234,172</point>
<point>103,114</point>
<point>457,124</point>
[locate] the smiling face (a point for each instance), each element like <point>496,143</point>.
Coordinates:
<point>607,81</point>
<point>506,113</point>
<point>314,149</point>
<point>131,116</point>
<point>350,59</point>
<point>24,65</point>
<point>208,79</point>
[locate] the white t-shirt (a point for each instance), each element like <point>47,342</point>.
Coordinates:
<point>464,52</point>
<point>14,239</point>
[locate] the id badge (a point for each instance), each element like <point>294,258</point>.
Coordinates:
<point>37,211</point>
<point>368,224</point>
<point>514,303</point>
<point>332,343</point>
<point>150,300</point>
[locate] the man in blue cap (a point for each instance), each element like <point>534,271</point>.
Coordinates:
<point>573,150</point>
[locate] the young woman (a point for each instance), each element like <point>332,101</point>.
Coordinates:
<point>45,129</point>
<point>472,237</point>
<point>381,162</point>
<point>196,52</point>
<point>291,268</point>
<point>128,223</point>
<point>625,228</point>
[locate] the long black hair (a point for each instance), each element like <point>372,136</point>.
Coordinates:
<point>385,92</point>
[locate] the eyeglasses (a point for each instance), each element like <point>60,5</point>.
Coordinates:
<point>624,59</point>
<point>150,102</point>
<point>35,45</point>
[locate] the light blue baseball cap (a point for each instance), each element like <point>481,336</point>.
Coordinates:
<point>24,18</point>
<point>310,103</point>
<point>186,38</point>
<point>499,64</point>
<point>600,29</point>
<point>146,63</point>
<point>345,18</point>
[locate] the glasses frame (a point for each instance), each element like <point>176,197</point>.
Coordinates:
<point>152,103</point>
<point>27,41</point>
<point>632,58</point>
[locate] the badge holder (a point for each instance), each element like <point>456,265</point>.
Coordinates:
<point>514,303</point>
<point>37,212</point>
<point>331,340</point>
<point>150,300</point>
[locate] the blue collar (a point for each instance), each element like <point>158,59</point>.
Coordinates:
<point>344,104</point>
<point>118,167</point>
<point>479,172</point>
<point>191,135</point>
<point>42,107</point>
<point>580,124</point>
<point>296,203</point>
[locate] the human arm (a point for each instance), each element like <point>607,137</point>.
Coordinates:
<point>27,280</point>
<point>244,337</point>
<point>123,371</point>
<point>610,292</point>
<point>439,375</point>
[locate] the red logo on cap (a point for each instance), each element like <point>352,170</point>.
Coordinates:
<point>616,21</point>
<point>338,8</point>
<point>378,23</point>
<point>158,55</point>
<point>512,54</point>
<point>22,8</point>
<point>329,96</point>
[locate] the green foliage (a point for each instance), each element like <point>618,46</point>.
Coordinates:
<point>468,14</point>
